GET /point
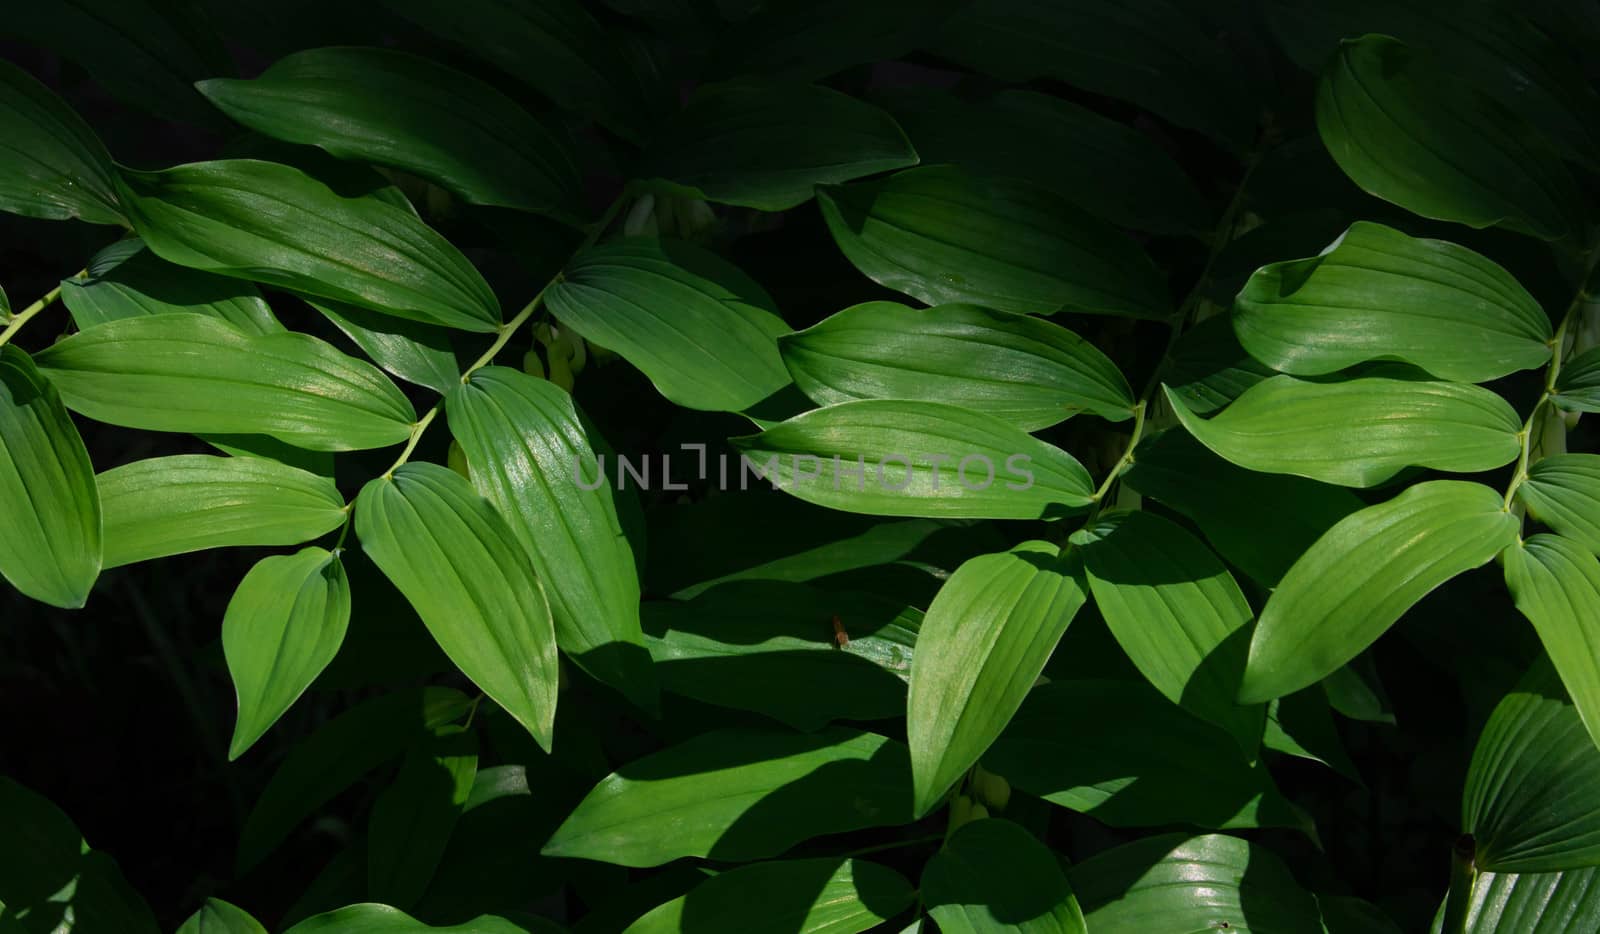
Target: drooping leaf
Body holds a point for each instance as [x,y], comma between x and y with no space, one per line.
[528,454]
[274,224]
[1532,903]
[284,625]
[895,458]
[384,919]
[417,353]
[49,506]
[1029,372]
[1360,432]
[704,332]
[413,817]
[984,642]
[1377,294]
[1366,571]
[1578,385]
[219,917]
[739,795]
[54,166]
[126,280]
[188,502]
[397,109]
[940,235]
[194,373]
[1563,492]
[993,877]
[826,895]
[466,574]
[1556,584]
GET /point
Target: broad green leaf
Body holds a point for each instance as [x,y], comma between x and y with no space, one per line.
[463,570]
[1029,372]
[49,506]
[739,795]
[1563,492]
[1532,799]
[1208,369]
[54,166]
[1578,385]
[383,919]
[1176,610]
[993,877]
[127,281]
[1210,883]
[189,502]
[396,109]
[414,816]
[940,235]
[528,454]
[826,895]
[1407,131]
[984,642]
[1301,725]
[1364,573]
[219,917]
[284,625]
[417,353]
[767,146]
[1135,761]
[1377,294]
[704,332]
[194,373]
[1344,914]
[1532,903]
[896,458]
[1360,432]
[335,756]
[277,225]
[1556,584]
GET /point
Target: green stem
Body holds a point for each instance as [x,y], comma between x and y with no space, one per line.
[1124,462]
[25,315]
[1463,873]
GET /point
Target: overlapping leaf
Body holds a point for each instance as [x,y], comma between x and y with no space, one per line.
[413,818]
[1578,385]
[219,917]
[1556,584]
[1532,903]
[1563,492]
[415,352]
[826,895]
[993,877]
[126,280]
[55,166]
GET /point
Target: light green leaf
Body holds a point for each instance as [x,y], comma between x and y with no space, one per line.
[704,332]
[1563,492]
[126,281]
[396,109]
[528,455]
[767,146]
[1364,573]
[739,795]
[1556,584]
[1360,432]
[383,919]
[1176,610]
[219,917]
[1409,132]
[189,502]
[274,224]
[915,459]
[1578,385]
[1029,372]
[984,642]
[49,506]
[414,816]
[1377,294]
[1532,903]
[941,235]
[993,877]
[827,895]
[463,570]
[284,625]
[417,353]
[54,166]
[193,373]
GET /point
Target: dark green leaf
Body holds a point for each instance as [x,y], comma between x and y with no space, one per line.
[54,165]
[1208,369]
[993,877]
[827,895]
[1578,385]
[219,917]
[802,40]
[128,281]
[417,353]
[413,817]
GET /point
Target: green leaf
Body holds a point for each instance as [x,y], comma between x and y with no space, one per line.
[1208,369]
[528,453]
[1409,132]
[189,502]
[910,458]
[1209,883]
[1301,725]
[1344,914]
[1377,294]
[1364,573]
[417,353]
[463,570]
[382,919]
[1178,614]
[413,818]
[284,625]
[1563,492]
[704,332]
[335,756]
[827,895]
[193,373]
[1029,372]
[128,281]
[1360,432]
[739,795]
[274,224]
[49,506]
[1556,584]
[219,917]
[984,642]
[993,877]
[941,235]
[396,109]
[1138,762]
[1532,798]
[54,166]
[1532,903]
[767,146]
[1578,385]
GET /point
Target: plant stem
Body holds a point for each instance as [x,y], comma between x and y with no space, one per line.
[25,315]
[1127,456]
[1463,873]
[898,844]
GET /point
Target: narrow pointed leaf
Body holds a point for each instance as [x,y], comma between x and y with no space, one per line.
[993,877]
[417,353]
[219,917]
[1556,584]
[414,816]
[54,166]
[126,280]
[826,895]
[1563,492]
